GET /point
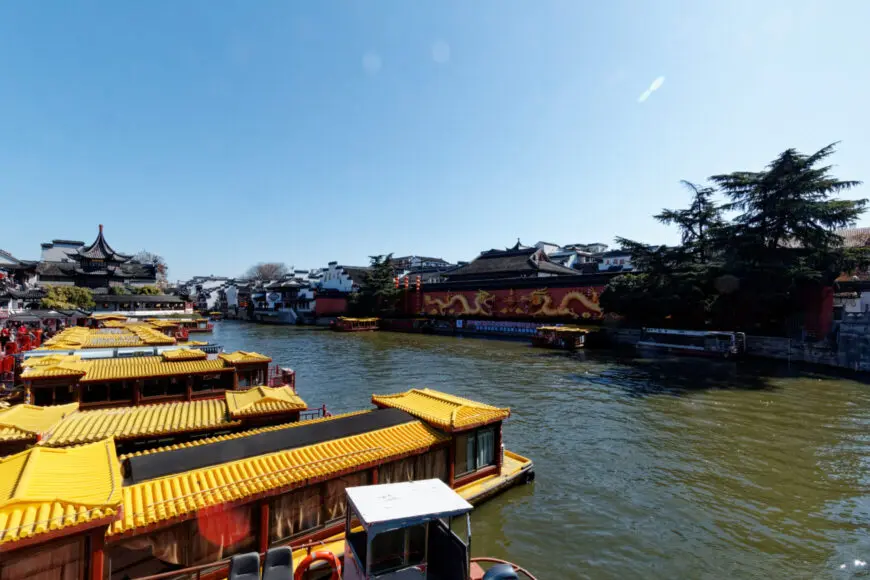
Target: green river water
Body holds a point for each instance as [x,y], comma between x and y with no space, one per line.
[646,468]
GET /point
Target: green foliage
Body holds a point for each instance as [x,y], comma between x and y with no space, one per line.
[67,298]
[118,291]
[378,295]
[750,272]
[148,291]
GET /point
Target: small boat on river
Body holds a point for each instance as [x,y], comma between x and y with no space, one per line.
[560,337]
[392,531]
[718,344]
[345,324]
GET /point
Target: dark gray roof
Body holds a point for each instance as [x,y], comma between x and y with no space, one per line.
[518,261]
[101,250]
[356,273]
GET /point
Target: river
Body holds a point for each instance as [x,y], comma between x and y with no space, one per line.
[652,468]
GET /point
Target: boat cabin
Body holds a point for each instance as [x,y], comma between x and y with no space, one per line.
[723,344]
[174,375]
[344,324]
[561,337]
[404,531]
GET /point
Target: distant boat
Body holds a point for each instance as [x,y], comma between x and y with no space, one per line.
[713,343]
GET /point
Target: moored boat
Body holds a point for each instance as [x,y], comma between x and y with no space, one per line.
[560,337]
[345,324]
[181,511]
[718,344]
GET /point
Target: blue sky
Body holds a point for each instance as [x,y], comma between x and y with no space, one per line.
[219,134]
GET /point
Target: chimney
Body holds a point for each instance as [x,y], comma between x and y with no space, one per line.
[101,228]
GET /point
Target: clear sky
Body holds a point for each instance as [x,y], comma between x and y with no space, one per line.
[219,134]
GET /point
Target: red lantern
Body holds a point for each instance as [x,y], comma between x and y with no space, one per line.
[407,282]
[396,282]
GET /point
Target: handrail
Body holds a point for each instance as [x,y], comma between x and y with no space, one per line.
[216,566]
[497,561]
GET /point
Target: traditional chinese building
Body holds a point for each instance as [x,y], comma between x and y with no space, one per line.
[516,262]
[98,265]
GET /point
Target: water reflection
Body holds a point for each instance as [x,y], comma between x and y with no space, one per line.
[654,468]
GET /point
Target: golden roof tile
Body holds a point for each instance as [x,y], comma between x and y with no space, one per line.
[179,495]
[143,421]
[116,369]
[44,490]
[263,401]
[448,412]
[21,422]
[52,359]
[244,357]
[183,354]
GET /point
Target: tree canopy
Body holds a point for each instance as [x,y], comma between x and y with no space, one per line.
[68,298]
[751,270]
[150,258]
[378,294]
[266,271]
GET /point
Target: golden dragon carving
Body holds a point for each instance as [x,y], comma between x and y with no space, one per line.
[542,299]
[483,302]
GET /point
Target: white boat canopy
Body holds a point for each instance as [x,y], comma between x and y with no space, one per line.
[397,505]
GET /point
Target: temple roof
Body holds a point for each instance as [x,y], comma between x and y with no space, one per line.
[100,250]
[518,261]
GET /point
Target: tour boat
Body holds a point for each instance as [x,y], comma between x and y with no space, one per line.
[724,344]
[175,375]
[216,315]
[344,324]
[392,531]
[181,511]
[561,337]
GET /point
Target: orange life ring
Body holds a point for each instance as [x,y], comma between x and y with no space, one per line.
[320,555]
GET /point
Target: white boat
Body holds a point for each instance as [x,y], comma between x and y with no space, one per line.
[724,344]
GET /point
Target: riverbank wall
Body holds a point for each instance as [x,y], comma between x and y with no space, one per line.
[849,350]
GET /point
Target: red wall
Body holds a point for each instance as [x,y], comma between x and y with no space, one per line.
[330,306]
[574,302]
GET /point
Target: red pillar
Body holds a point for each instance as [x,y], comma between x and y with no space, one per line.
[98,543]
[264,525]
[499,457]
[451,458]
[375,475]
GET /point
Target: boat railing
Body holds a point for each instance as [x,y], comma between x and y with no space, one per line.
[219,567]
[317,413]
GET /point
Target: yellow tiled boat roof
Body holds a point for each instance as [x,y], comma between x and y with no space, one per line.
[442,410]
[154,501]
[111,323]
[263,401]
[196,343]
[564,328]
[372,319]
[163,323]
[183,354]
[115,369]
[43,489]
[22,422]
[241,356]
[142,421]
[124,335]
[52,359]
[236,435]
[109,316]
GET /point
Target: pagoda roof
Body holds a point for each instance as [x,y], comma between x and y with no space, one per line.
[100,250]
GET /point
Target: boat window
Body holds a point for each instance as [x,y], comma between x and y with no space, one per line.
[120,391]
[43,397]
[398,549]
[97,393]
[474,450]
